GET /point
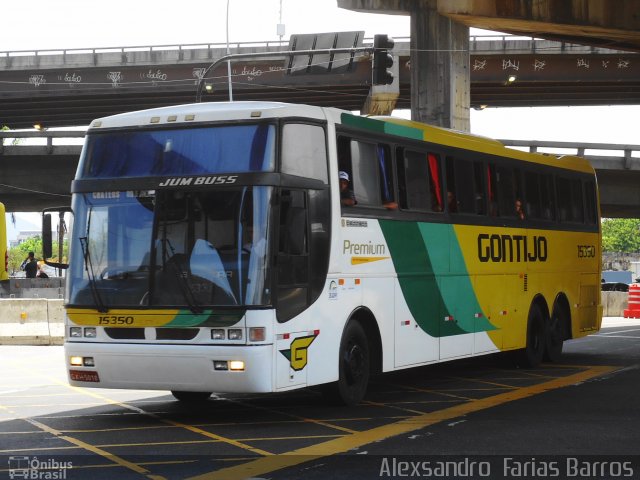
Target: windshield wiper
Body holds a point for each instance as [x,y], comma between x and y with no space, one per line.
[88,266]
[183,282]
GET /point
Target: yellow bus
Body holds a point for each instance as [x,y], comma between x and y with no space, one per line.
[214,250]
[4,252]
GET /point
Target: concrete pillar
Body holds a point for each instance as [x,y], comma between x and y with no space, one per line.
[440,81]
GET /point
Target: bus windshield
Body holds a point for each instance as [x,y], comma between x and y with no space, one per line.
[186,151]
[170,248]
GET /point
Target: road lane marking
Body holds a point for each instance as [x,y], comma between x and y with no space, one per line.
[618,331]
[291,415]
[140,411]
[91,448]
[273,463]
[613,336]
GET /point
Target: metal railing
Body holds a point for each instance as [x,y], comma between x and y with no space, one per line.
[601,155]
[508,42]
[628,153]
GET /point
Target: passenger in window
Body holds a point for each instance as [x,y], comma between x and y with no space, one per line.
[519,209]
[347,197]
[453,203]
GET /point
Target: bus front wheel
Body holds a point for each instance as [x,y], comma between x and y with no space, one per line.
[531,355]
[354,365]
[191,396]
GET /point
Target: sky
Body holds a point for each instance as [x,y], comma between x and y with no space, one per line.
[68,24]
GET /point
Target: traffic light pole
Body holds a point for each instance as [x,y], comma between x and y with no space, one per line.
[238,56]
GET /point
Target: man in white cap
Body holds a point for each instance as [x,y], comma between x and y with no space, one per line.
[347,197]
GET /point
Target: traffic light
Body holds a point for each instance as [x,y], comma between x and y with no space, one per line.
[382,60]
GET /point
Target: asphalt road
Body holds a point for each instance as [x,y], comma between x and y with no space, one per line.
[479,418]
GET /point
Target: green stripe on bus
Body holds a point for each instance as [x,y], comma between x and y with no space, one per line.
[427,259]
[456,288]
[416,277]
[362,122]
[380,126]
[404,131]
[186,318]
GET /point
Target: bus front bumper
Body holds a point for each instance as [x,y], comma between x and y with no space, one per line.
[194,368]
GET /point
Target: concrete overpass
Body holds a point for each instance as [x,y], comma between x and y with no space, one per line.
[34,177]
[72,87]
[440,38]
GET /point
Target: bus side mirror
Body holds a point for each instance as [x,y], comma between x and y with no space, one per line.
[47,238]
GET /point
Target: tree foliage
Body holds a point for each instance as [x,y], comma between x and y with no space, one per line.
[621,235]
[18,253]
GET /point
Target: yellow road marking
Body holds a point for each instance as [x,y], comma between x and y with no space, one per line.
[429,390]
[79,443]
[292,415]
[155,417]
[189,442]
[390,405]
[169,422]
[486,382]
[266,465]
[36,449]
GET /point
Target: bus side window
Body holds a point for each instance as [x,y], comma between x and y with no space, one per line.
[366,173]
[577,204]
[386,176]
[492,183]
[547,198]
[309,161]
[563,194]
[468,186]
[532,185]
[590,203]
[509,190]
[419,181]
[452,195]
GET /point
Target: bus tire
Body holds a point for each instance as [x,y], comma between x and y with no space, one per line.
[191,397]
[554,336]
[354,365]
[531,356]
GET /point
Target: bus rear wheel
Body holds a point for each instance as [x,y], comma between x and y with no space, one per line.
[191,397]
[354,365]
[554,337]
[531,355]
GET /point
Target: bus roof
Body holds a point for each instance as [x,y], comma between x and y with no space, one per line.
[468,141]
[207,112]
[248,110]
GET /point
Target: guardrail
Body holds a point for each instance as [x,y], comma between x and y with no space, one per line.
[629,153]
[9,138]
[599,154]
[505,43]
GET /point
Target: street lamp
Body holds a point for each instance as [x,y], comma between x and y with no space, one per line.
[229,61]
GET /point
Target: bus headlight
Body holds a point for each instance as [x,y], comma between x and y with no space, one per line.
[90,332]
[235,334]
[75,332]
[217,334]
